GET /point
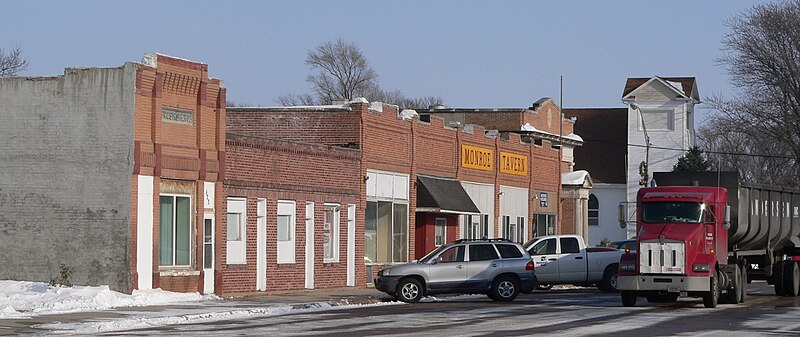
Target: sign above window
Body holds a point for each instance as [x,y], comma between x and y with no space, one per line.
[477,158]
[513,164]
[175,115]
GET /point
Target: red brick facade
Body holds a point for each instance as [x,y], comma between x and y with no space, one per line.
[269,169]
[180,155]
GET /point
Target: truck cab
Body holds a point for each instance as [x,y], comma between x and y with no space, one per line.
[682,246]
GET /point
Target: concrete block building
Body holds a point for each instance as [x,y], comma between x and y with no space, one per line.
[113,172]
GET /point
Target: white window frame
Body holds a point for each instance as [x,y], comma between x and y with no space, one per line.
[286,249]
[392,187]
[236,249]
[331,234]
[174,236]
[440,232]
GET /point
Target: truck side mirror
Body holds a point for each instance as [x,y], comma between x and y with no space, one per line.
[726,222]
[621,216]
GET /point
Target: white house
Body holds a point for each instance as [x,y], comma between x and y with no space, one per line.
[615,145]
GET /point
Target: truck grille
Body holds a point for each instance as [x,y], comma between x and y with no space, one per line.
[662,258]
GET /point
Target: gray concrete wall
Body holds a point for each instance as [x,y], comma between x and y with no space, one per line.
[66,159]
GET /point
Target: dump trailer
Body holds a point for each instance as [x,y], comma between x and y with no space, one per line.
[707,234]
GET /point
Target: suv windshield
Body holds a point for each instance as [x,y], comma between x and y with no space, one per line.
[427,258]
[688,212]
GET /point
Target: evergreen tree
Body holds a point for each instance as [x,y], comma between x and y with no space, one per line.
[692,161]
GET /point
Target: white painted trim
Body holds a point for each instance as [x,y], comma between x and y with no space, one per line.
[144,233]
[261,245]
[351,245]
[309,245]
[236,249]
[208,273]
[286,249]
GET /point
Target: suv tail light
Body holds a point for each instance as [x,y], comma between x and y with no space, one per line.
[529,266]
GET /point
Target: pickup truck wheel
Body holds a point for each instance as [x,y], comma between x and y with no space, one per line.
[609,281]
[544,286]
[711,298]
[504,289]
[628,298]
[409,290]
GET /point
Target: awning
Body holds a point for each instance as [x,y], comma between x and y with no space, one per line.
[443,195]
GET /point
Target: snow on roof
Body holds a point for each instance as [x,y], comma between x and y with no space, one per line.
[574,178]
[298,107]
[677,85]
[574,137]
[359,100]
[408,114]
[529,127]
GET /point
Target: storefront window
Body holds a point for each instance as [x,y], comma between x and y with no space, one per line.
[386,232]
[174,230]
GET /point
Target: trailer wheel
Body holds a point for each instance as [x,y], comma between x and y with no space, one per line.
[628,298]
[791,278]
[711,298]
[777,278]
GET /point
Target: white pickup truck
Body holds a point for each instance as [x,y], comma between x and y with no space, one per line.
[565,259]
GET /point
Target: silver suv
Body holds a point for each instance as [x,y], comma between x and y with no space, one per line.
[496,267]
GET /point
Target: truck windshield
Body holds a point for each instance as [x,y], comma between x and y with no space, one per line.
[689,212]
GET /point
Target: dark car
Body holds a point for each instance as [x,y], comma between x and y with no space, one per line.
[497,267]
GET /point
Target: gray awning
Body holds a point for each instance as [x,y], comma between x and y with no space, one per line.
[443,195]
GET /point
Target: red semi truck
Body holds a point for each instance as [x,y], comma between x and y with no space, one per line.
[707,235]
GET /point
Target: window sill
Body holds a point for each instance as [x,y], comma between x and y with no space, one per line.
[179,273]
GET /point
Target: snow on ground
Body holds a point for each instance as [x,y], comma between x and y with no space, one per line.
[20,299]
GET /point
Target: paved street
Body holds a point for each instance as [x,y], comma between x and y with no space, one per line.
[572,312]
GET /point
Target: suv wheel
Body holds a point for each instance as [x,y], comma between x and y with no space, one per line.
[409,290]
[504,289]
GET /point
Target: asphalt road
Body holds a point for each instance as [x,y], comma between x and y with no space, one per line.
[572,312]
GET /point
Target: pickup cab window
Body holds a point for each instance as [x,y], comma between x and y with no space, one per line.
[544,247]
[569,246]
[687,212]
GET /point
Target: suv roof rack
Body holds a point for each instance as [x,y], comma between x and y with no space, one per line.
[482,240]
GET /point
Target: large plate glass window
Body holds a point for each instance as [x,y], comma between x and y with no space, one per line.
[175,226]
[386,217]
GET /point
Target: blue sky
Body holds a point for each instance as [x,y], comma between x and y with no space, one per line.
[471,53]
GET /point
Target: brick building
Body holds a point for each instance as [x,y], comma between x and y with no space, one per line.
[113,173]
[423,180]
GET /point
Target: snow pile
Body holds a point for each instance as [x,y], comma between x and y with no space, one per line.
[19,299]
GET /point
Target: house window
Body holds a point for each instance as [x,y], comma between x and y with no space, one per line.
[656,120]
[236,234]
[544,224]
[386,232]
[477,226]
[330,233]
[440,232]
[286,231]
[174,234]
[594,211]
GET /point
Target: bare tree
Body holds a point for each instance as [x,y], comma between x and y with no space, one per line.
[342,71]
[12,63]
[763,59]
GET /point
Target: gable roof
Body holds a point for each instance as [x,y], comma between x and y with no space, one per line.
[687,83]
[605,135]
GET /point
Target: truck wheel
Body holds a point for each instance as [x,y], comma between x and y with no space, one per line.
[628,298]
[733,294]
[504,289]
[409,290]
[777,278]
[609,281]
[544,286]
[745,282]
[791,278]
[711,298]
